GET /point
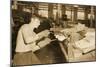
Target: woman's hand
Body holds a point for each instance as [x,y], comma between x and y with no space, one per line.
[45,42]
[44,33]
[34,47]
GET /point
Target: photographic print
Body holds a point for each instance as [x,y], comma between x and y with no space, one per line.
[52,33]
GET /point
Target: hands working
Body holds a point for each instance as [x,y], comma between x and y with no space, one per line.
[44,33]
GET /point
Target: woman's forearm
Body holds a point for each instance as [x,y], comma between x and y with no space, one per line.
[33,47]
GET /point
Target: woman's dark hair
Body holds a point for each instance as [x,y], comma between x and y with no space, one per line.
[44,25]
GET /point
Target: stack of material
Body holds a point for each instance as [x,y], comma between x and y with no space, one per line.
[87,44]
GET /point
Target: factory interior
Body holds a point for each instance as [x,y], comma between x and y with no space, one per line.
[63,17]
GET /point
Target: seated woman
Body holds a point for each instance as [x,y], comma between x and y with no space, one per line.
[26,42]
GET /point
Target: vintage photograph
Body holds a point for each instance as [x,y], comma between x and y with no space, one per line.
[52,33]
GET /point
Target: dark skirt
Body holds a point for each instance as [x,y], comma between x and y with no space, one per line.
[28,58]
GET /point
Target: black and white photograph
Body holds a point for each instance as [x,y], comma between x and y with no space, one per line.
[52,33]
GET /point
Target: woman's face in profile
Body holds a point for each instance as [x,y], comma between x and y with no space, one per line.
[37,23]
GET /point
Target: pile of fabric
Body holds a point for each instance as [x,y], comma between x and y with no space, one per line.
[86,44]
[82,37]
